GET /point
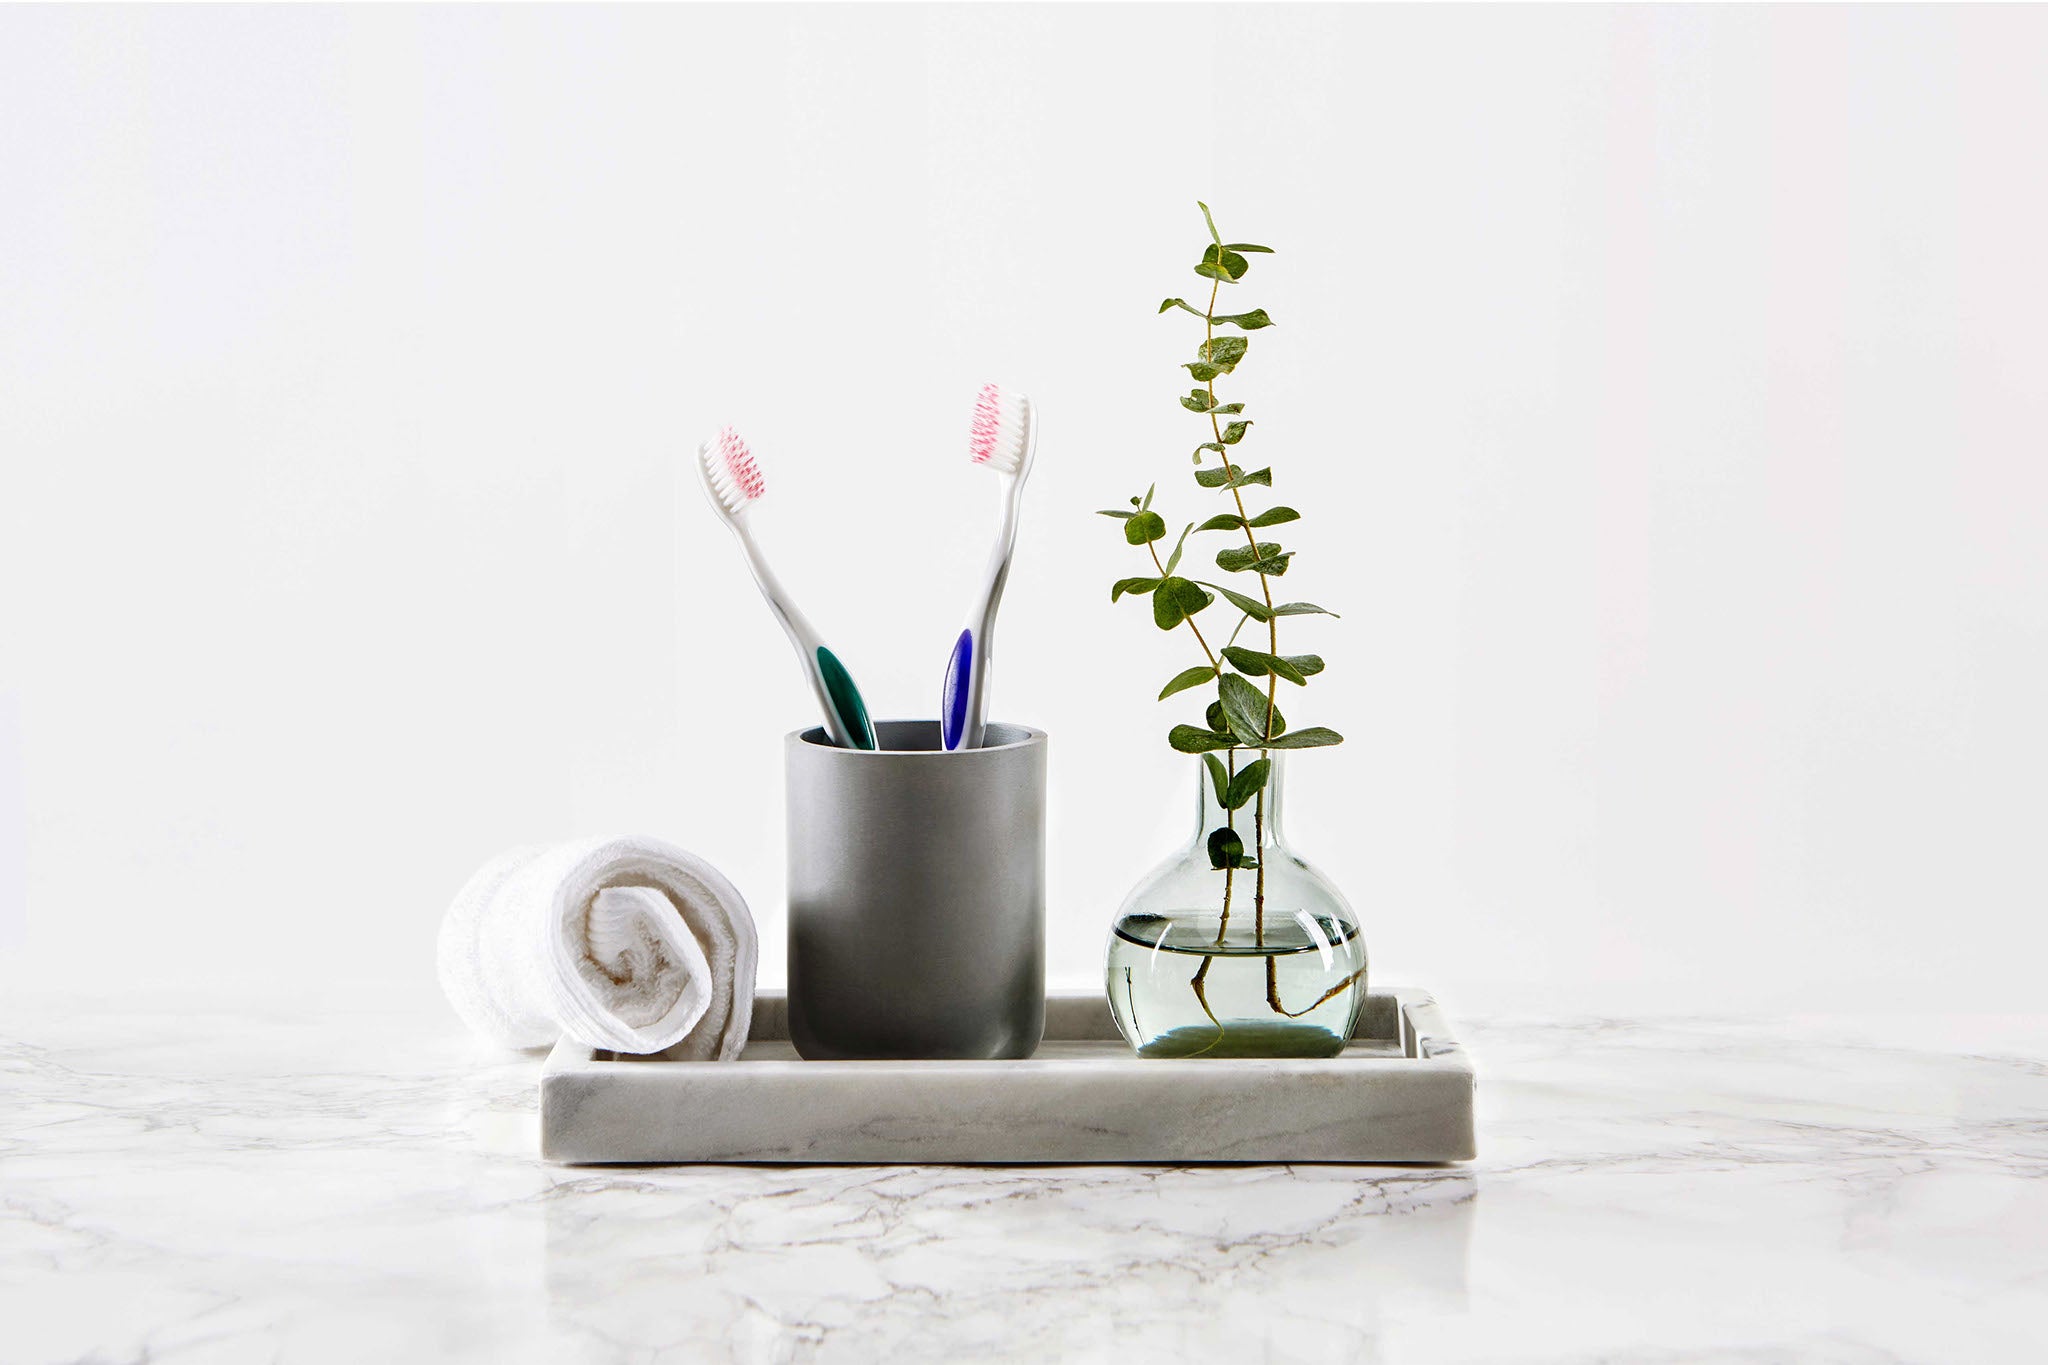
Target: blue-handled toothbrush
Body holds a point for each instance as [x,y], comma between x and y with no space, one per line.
[732,480]
[1004,436]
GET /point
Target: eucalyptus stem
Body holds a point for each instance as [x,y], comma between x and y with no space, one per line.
[1229,868]
[1190,620]
[1272,679]
[1239,719]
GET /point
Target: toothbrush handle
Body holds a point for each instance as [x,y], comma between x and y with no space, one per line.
[963,714]
[845,701]
[964,705]
[967,671]
[954,701]
[846,715]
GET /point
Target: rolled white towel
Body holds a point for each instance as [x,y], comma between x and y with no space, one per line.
[630,945]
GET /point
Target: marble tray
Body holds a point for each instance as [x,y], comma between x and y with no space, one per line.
[1400,1092]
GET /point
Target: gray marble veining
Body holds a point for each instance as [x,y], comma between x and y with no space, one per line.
[198,1184]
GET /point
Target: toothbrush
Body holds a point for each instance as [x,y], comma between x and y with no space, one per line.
[1003,437]
[732,480]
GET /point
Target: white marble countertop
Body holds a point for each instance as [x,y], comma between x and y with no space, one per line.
[297,1185]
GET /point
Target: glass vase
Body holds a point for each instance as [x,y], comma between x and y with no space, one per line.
[1235,946]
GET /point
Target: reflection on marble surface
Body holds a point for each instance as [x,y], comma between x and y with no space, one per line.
[257,1185]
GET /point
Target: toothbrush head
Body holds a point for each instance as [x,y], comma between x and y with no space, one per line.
[730,475]
[1000,436]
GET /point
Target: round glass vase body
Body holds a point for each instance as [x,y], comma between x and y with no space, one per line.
[1222,952]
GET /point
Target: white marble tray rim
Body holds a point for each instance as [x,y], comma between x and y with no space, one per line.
[1401,1092]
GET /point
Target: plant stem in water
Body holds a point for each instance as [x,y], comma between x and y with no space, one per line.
[1273,994]
[1229,870]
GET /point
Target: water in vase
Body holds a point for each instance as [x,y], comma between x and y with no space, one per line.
[1187,984]
[1236,946]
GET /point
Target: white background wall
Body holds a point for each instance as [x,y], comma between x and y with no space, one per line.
[1666,391]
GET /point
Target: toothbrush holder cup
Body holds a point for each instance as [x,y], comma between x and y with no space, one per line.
[916,894]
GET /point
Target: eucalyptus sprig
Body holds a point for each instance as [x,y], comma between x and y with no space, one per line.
[1244,715]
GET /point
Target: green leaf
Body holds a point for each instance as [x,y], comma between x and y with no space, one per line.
[1224,351]
[1220,264]
[1218,778]
[1275,516]
[1121,516]
[1214,235]
[1315,737]
[1222,521]
[1183,303]
[1230,407]
[1145,505]
[1250,606]
[1216,356]
[1302,609]
[1248,661]
[1245,707]
[1226,848]
[1251,321]
[1265,558]
[1216,719]
[1247,246]
[1186,678]
[1188,740]
[1207,445]
[1136,586]
[1230,476]
[1176,599]
[1237,558]
[1233,432]
[1199,400]
[1258,664]
[1144,527]
[1249,780]
[1173,560]
[1308,665]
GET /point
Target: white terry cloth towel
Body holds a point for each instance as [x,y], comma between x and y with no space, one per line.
[629,945]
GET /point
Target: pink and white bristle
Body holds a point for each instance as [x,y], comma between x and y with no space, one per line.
[1000,429]
[731,472]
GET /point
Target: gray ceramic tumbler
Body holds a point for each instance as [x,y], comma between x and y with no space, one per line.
[917,895]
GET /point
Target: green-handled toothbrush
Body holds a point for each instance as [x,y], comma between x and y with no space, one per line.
[732,480]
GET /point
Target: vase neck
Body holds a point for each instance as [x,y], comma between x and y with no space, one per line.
[1209,812]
